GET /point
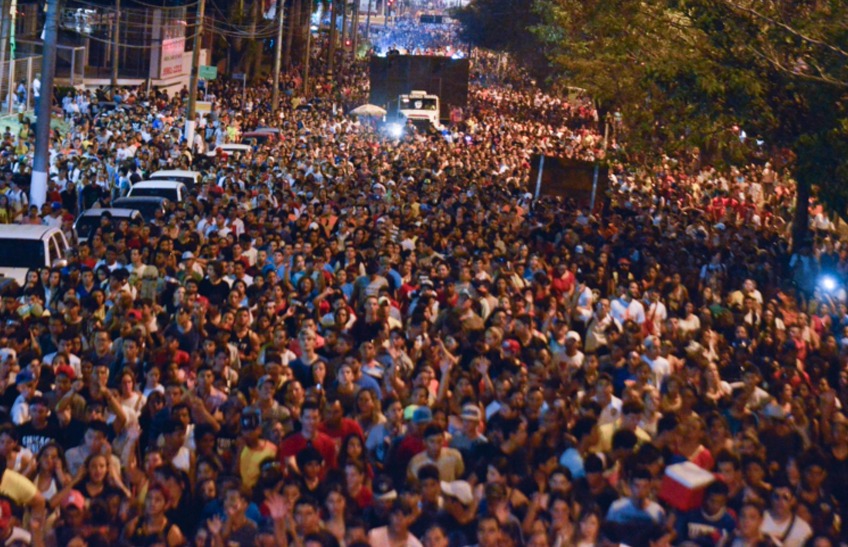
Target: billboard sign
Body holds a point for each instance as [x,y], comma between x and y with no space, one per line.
[173,51]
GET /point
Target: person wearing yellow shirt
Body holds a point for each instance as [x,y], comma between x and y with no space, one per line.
[631,413]
[255,449]
[447,460]
[21,490]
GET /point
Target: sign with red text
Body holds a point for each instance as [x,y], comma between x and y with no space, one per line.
[173,52]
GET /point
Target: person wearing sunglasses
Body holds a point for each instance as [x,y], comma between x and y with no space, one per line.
[781,522]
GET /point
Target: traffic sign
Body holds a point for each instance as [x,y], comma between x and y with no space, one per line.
[207,72]
[239,76]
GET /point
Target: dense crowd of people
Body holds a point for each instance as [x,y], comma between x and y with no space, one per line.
[342,338]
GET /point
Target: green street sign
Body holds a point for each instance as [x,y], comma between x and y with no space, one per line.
[207,72]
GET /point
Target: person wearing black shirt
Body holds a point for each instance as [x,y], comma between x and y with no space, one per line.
[368,325]
[41,429]
[594,488]
[213,287]
[69,198]
[90,194]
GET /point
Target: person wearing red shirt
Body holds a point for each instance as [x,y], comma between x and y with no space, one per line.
[562,280]
[309,435]
[337,426]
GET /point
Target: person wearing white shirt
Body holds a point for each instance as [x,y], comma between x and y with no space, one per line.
[36,87]
[396,533]
[660,366]
[610,404]
[583,302]
[749,288]
[25,383]
[627,306]
[601,325]
[781,522]
[73,360]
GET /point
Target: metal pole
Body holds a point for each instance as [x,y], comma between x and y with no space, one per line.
[38,187]
[367,19]
[29,82]
[195,62]
[306,62]
[5,23]
[116,33]
[331,50]
[354,30]
[13,14]
[594,185]
[539,177]
[345,35]
[278,57]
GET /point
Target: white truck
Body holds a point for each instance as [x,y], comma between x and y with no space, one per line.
[419,106]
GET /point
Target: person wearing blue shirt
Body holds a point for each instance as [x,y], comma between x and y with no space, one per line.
[638,510]
[586,432]
[711,522]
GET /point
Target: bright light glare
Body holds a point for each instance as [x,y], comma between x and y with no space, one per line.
[395,130]
[828,283]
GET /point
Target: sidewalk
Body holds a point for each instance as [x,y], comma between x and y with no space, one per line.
[11,121]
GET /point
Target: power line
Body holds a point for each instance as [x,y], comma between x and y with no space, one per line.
[151,6]
[133,46]
[267,31]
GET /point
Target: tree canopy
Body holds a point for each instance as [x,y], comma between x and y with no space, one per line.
[687,73]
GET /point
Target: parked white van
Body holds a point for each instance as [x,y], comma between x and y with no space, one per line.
[24,246]
[173,190]
[189,178]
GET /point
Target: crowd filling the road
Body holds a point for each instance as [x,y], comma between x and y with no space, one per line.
[340,338]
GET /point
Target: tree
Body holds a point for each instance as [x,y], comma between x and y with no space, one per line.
[684,72]
[505,25]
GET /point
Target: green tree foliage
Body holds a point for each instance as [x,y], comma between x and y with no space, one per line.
[686,72]
[506,26]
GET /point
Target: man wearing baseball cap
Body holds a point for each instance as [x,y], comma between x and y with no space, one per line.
[255,449]
[469,438]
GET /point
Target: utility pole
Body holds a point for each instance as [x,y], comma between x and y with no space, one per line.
[354,30]
[278,57]
[5,23]
[331,50]
[13,15]
[38,186]
[344,37]
[195,62]
[294,28]
[115,39]
[368,20]
[306,61]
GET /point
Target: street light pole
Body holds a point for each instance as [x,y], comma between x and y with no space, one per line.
[13,14]
[195,68]
[306,61]
[116,34]
[354,30]
[278,57]
[5,23]
[367,20]
[38,185]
